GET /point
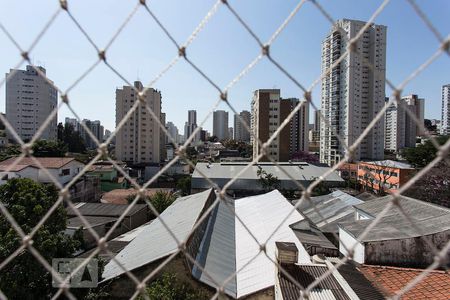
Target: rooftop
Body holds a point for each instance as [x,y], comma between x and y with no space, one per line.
[119,196]
[390,163]
[93,221]
[46,162]
[104,209]
[428,218]
[436,285]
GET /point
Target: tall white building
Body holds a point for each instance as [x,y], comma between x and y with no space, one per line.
[220,124]
[241,133]
[191,125]
[353,93]
[138,141]
[445,116]
[30,99]
[173,132]
[269,110]
[400,129]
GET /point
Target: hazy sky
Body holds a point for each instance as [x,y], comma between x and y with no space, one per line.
[221,50]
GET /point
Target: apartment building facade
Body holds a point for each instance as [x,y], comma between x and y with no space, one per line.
[30,99]
[445,114]
[269,111]
[220,124]
[352,92]
[241,133]
[138,141]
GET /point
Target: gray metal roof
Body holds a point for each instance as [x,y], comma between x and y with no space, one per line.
[154,241]
[428,217]
[221,173]
[309,234]
[334,208]
[93,221]
[104,209]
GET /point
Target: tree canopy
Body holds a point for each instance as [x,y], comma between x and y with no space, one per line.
[424,153]
[28,202]
[67,134]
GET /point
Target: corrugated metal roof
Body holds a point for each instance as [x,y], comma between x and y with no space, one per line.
[227,247]
[154,241]
[93,221]
[430,218]
[334,208]
[305,275]
[307,233]
[104,209]
[221,173]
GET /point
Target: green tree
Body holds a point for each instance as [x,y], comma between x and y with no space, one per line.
[168,287]
[267,180]
[44,148]
[160,200]
[10,151]
[184,184]
[28,201]
[424,153]
[67,135]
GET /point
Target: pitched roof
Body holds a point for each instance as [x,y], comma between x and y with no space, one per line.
[93,221]
[428,217]
[46,162]
[390,164]
[436,285]
[16,168]
[119,196]
[104,209]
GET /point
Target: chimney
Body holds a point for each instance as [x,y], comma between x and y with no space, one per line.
[287,252]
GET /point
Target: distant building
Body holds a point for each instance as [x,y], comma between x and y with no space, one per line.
[30,100]
[445,112]
[96,129]
[269,110]
[173,132]
[352,93]
[384,176]
[74,123]
[349,171]
[393,240]
[249,183]
[241,133]
[191,125]
[162,138]
[220,124]
[400,128]
[139,139]
[230,132]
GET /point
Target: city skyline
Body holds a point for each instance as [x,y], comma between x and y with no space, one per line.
[64,65]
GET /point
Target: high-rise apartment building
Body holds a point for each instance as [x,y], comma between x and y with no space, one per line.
[173,132]
[269,110]
[241,133]
[419,111]
[400,128]
[138,141]
[191,125]
[352,92]
[30,99]
[220,124]
[445,113]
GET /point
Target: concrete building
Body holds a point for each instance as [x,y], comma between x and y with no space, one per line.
[74,123]
[445,113]
[138,140]
[30,99]
[383,176]
[352,93]
[96,129]
[393,241]
[400,128]
[269,110]
[173,132]
[241,133]
[220,124]
[191,125]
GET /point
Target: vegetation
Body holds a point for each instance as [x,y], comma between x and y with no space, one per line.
[10,151]
[423,154]
[267,180]
[28,202]
[184,185]
[43,148]
[168,287]
[320,189]
[71,138]
[160,200]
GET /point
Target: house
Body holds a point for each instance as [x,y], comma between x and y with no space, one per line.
[384,176]
[18,171]
[247,182]
[133,218]
[348,171]
[62,169]
[395,240]
[110,178]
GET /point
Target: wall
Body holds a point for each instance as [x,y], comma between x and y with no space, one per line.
[412,252]
[74,166]
[349,241]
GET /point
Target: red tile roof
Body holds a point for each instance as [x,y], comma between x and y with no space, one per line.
[46,162]
[390,280]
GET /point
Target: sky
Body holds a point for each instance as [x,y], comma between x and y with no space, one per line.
[221,50]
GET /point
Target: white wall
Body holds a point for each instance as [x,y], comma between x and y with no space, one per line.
[74,166]
[345,239]
[29,172]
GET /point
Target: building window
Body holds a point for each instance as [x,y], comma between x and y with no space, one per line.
[65,172]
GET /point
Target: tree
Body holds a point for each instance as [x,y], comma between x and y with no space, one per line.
[434,187]
[10,151]
[28,202]
[267,180]
[168,287]
[160,200]
[184,184]
[424,153]
[44,148]
[67,134]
